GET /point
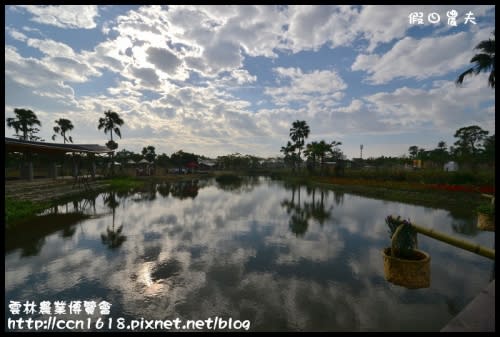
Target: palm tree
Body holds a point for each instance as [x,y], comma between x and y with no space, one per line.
[299,132]
[311,153]
[23,122]
[110,123]
[323,148]
[483,62]
[289,151]
[63,125]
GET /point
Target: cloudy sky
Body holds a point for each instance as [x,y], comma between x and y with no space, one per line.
[215,80]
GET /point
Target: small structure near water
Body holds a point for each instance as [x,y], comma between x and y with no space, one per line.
[451,166]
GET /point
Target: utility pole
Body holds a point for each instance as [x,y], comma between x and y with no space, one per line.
[361,151]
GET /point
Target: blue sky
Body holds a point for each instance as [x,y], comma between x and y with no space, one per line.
[215,80]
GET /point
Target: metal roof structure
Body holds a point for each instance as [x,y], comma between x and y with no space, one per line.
[17,145]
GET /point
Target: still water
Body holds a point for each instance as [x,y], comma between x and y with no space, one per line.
[286,258]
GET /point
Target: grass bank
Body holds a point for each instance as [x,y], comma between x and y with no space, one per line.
[454,197]
[16,210]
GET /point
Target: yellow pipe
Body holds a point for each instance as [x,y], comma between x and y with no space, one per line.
[472,247]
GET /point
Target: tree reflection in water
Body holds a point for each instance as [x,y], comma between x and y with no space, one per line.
[301,212]
[112,238]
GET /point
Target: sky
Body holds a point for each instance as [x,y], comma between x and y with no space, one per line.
[216,80]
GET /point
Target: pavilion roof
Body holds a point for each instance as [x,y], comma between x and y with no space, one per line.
[17,145]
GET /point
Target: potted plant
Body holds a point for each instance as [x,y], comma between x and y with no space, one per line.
[404,263]
[486,216]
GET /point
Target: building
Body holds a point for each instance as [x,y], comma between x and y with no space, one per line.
[451,166]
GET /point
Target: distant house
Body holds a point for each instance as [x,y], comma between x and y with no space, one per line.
[450,166]
[206,165]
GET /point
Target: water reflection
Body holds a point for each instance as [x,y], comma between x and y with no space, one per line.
[234,254]
[185,189]
[112,238]
[239,184]
[30,237]
[465,227]
[312,208]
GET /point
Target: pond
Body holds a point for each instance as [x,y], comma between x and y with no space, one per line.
[283,257]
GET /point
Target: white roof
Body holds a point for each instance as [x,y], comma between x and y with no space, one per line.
[206,162]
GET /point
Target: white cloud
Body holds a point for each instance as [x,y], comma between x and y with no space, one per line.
[67,16]
[16,34]
[383,24]
[315,85]
[420,59]
[310,27]
[51,47]
[180,73]
[446,106]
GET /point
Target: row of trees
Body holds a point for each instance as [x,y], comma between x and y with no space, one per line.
[316,152]
[473,146]
[25,121]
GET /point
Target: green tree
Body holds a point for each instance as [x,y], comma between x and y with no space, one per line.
[163,160]
[110,123]
[440,154]
[311,153]
[470,139]
[149,153]
[298,133]
[63,126]
[123,156]
[289,152]
[469,143]
[335,151]
[317,151]
[180,158]
[484,61]
[489,150]
[23,122]
[413,150]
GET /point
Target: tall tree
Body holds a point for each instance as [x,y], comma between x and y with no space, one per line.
[288,151]
[489,149]
[23,122]
[484,61]
[440,154]
[469,144]
[149,153]
[470,139]
[63,126]
[335,151]
[298,133]
[317,151]
[413,150]
[110,123]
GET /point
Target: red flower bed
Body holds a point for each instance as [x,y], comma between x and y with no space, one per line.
[464,188]
[405,185]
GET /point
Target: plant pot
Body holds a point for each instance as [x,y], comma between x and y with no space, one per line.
[485,222]
[412,274]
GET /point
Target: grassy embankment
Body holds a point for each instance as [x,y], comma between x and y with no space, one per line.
[16,210]
[426,188]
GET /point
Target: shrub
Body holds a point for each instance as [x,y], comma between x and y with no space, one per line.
[404,237]
[487,208]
